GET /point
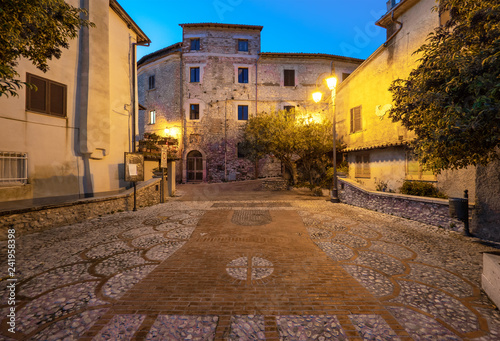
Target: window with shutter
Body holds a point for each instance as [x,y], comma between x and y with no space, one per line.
[194,112]
[242,112]
[195,44]
[195,75]
[49,97]
[243,45]
[242,75]
[356,119]
[289,76]
[151,82]
[362,166]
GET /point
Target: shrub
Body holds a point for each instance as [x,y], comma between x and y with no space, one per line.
[422,189]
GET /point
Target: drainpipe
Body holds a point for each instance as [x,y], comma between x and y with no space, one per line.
[134,66]
[134,100]
[399,29]
[181,116]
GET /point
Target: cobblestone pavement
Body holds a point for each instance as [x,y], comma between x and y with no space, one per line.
[249,270]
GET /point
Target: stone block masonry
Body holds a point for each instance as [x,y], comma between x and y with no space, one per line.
[40,218]
[430,211]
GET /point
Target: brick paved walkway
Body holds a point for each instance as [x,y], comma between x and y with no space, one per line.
[265,269]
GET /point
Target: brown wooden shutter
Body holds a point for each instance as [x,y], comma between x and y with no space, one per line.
[355,119]
[352,121]
[37,98]
[289,77]
[57,99]
[366,166]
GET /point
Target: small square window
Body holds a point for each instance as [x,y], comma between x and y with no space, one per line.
[195,44]
[194,112]
[195,74]
[242,112]
[242,75]
[243,45]
[152,117]
[151,82]
[289,76]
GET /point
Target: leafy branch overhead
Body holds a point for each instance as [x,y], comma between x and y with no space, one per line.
[37,30]
[452,99]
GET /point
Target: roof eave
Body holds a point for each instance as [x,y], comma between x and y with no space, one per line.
[141,36]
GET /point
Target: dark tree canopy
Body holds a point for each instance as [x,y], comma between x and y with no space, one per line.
[452,99]
[37,30]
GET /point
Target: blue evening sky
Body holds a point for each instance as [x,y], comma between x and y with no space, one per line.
[341,27]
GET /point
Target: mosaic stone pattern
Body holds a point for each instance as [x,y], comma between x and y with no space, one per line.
[120,328]
[247,327]
[373,327]
[378,284]
[241,268]
[251,217]
[421,327]
[71,328]
[323,327]
[172,327]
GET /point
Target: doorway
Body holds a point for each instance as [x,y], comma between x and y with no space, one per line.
[194,166]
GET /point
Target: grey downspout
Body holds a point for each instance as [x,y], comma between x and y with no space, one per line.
[182,117]
[394,34]
[82,100]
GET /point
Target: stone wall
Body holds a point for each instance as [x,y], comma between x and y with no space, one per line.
[40,218]
[275,184]
[431,211]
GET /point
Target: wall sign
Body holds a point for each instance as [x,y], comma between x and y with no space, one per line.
[134,167]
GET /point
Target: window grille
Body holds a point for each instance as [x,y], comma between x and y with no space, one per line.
[13,168]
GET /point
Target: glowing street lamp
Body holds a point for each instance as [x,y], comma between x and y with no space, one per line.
[332,85]
[317,96]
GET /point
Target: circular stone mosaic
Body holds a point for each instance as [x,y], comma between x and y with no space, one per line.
[246,269]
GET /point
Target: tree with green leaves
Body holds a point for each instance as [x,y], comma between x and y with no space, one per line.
[37,30]
[292,138]
[452,99]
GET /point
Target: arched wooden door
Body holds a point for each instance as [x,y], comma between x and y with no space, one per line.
[194,166]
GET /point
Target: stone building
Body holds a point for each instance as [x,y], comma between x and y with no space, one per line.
[68,138]
[377,149]
[203,90]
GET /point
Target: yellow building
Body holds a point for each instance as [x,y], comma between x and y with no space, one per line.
[68,138]
[377,148]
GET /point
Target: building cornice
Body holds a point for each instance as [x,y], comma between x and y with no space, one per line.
[141,36]
[309,55]
[224,26]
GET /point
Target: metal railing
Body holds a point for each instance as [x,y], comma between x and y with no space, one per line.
[13,168]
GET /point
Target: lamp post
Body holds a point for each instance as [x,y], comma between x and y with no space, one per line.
[332,85]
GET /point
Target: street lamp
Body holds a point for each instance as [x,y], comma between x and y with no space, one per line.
[332,85]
